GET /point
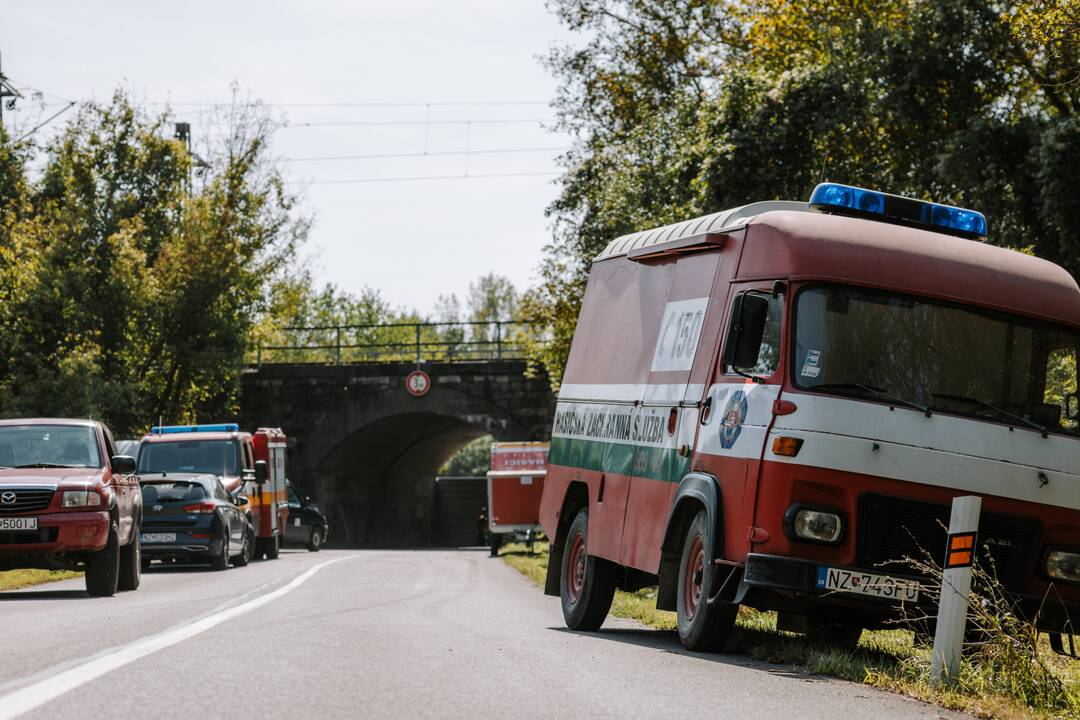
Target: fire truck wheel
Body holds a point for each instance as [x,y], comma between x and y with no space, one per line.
[702,627]
[103,568]
[131,563]
[270,547]
[316,540]
[588,583]
[825,632]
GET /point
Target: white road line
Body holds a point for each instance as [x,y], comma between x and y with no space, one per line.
[37,694]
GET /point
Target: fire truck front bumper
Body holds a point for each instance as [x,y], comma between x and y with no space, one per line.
[870,598]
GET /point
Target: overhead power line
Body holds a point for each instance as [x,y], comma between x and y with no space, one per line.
[380,156]
[420,178]
[368,123]
[461,103]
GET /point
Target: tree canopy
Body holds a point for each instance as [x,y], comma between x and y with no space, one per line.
[684,107]
[129,278]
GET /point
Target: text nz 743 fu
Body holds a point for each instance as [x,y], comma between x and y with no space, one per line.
[775,404]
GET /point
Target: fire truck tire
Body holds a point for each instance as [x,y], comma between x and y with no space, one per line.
[702,627]
[316,540]
[103,568]
[271,546]
[131,563]
[221,560]
[825,632]
[588,583]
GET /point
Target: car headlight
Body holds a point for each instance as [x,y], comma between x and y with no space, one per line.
[1062,565]
[80,499]
[812,525]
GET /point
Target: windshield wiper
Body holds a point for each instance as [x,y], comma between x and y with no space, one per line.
[991,406]
[46,465]
[876,392]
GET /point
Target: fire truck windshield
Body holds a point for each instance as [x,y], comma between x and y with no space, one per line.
[217,457]
[939,356]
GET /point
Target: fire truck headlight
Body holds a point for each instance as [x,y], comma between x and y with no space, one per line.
[1062,565]
[813,525]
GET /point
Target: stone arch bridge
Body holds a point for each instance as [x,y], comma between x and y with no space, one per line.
[369,450]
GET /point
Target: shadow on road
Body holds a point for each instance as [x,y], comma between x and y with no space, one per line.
[42,595]
[668,641]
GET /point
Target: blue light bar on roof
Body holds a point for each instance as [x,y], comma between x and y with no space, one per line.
[849,200]
[170,429]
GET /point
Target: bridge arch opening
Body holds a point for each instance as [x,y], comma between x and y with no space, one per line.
[377,484]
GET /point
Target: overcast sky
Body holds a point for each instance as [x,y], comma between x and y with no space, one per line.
[412,240]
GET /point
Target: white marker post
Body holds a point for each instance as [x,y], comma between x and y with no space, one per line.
[955,588]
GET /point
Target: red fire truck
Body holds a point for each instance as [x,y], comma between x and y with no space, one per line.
[514,486]
[773,404]
[251,464]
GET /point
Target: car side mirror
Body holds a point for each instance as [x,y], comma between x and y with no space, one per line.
[307,500]
[122,464]
[260,471]
[1072,406]
[748,315]
[242,501]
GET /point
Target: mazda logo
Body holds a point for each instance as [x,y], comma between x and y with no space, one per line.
[7,498]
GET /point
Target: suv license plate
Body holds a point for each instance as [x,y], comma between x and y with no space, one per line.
[864,583]
[150,538]
[20,523]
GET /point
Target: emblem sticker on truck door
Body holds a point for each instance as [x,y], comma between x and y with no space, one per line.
[679,335]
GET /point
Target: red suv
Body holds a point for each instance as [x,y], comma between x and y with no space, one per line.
[69,501]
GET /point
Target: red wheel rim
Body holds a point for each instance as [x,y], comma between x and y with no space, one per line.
[695,574]
[575,568]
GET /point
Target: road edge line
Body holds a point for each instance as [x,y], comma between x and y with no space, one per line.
[36,694]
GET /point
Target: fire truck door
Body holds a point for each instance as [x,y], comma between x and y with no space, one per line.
[665,423]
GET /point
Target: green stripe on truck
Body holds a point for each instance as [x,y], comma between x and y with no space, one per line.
[664,464]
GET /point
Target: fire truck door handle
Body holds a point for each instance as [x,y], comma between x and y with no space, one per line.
[706,411]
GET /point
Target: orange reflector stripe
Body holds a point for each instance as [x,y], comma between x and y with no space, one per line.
[961,550]
[959,558]
[961,542]
[786,446]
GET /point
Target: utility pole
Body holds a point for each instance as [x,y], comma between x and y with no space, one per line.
[6,91]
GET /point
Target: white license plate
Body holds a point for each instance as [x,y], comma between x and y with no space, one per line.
[23,523]
[864,583]
[151,538]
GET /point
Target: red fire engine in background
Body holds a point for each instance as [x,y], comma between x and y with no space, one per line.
[251,464]
[515,484]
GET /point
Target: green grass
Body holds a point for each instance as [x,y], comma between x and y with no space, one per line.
[15,579]
[886,659]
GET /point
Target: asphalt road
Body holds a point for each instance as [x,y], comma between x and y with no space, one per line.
[375,634]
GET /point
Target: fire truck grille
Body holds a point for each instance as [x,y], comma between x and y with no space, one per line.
[14,501]
[891,529]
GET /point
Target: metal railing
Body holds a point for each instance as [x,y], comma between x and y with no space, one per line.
[399,342]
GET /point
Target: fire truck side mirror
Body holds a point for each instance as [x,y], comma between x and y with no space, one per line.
[748,315]
[260,471]
[1072,406]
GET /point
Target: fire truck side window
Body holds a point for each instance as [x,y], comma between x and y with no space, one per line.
[769,354]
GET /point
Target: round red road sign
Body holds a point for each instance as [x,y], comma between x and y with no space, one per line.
[418,383]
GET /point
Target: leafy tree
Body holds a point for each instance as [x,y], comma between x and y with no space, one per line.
[130,287]
[473,460]
[684,107]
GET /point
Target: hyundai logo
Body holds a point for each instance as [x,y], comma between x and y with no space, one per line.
[7,498]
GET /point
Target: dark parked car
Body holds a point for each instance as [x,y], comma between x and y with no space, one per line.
[191,518]
[307,525]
